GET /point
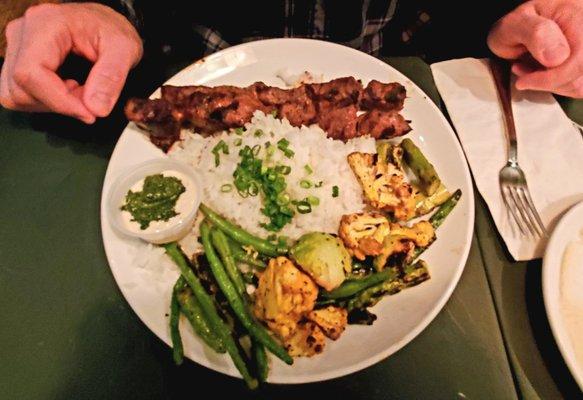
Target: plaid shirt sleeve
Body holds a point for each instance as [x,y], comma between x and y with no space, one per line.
[355,23]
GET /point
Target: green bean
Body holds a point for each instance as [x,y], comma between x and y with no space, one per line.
[193,312]
[260,361]
[219,240]
[256,330]
[421,167]
[244,258]
[177,350]
[209,310]
[352,286]
[238,234]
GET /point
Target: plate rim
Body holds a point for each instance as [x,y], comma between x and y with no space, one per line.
[437,307]
[551,281]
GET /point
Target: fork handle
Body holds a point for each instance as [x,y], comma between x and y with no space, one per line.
[501,73]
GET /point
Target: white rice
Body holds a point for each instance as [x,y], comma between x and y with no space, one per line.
[325,156]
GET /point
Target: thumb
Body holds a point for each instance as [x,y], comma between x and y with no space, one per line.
[106,80]
[523,30]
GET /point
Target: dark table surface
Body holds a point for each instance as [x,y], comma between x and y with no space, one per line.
[66,332]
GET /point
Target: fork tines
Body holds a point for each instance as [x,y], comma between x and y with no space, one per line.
[518,201]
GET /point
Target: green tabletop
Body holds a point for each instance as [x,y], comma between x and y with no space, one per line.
[66,332]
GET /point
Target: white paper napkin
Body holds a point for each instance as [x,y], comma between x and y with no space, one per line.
[550,147]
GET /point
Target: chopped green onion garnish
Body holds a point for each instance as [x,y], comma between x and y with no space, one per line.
[288,153]
[313,200]
[226,188]
[258,133]
[283,169]
[221,146]
[335,191]
[239,131]
[273,113]
[304,207]
[282,143]
[256,149]
[272,237]
[253,189]
[308,169]
[319,184]
[238,142]
[305,184]
[282,199]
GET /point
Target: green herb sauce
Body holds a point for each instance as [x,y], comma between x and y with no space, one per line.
[156,201]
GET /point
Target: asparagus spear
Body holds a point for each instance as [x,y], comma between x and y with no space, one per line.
[412,275]
[422,168]
[352,286]
[437,219]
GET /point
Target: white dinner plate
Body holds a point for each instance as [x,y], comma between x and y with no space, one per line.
[401,317]
[567,231]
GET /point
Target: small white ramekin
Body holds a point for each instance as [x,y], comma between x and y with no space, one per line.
[181,224]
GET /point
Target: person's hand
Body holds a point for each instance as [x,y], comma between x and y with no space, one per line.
[545,40]
[39,42]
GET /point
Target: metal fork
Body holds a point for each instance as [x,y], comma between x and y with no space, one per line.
[513,184]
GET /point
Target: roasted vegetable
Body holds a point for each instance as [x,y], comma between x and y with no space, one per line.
[261,362]
[206,302]
[323,257]
[240,235]
[284,296]
[256,330]
[306,340]
[352,286]
[383,185]
[177,349]
[428,179]
[425,204]
[411,275]
[332,320]
[193,312]
[363,233]
[403,240]
[438,217]
[389,153]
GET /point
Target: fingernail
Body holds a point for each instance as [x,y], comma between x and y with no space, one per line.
[101,103]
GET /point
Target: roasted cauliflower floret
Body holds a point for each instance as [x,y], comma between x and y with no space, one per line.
[402,241]
[332,320]
[363,233]
[384,185]
[422,233]
[306,340]
[283,296]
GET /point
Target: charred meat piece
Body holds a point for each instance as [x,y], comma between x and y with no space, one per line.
[295,104]
[332,105]
[383,96]
[155,116]
[339,123]
[338,92]
[382,124]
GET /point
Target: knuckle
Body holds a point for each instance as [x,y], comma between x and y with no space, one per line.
[22,77]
